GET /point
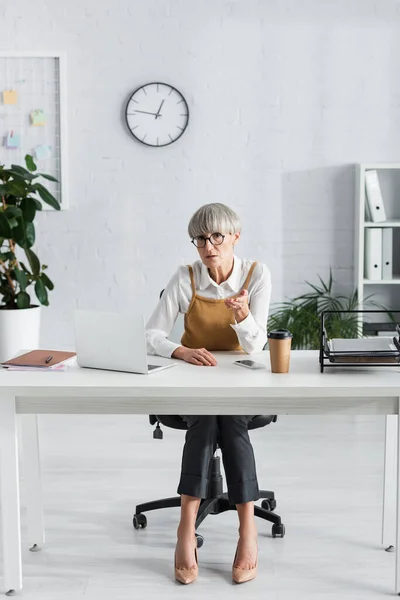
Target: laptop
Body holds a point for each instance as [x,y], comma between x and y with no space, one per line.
[115,342]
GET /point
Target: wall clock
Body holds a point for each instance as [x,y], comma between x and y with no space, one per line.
[157,114]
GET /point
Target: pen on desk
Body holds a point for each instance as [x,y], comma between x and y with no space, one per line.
[48,359]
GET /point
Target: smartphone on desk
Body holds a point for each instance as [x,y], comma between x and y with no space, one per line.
[249,364]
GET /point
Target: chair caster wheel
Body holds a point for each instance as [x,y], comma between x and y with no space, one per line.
[278,530]
[139,521]
[199,539]
[269,505]
[10,593]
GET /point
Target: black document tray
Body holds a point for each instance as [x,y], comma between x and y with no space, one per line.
[376,350]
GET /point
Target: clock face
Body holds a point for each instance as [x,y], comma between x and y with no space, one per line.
[157,114]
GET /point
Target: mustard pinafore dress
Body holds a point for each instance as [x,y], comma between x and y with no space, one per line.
[208,321]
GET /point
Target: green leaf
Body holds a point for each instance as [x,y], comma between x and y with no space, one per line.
[5,229]
[13,211]
[27,271]
[37,202]
[21,172]
[28,208]
[7,256]
[46,196]
[13,222]
[49,177]
[47,282]
[22,279]
[18,233]
[29,234]
[33,261]
[17,188]
[5,292]
[30,163]
[41,292]
[23,300]
[24,233]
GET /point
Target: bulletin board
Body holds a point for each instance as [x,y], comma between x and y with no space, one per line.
[32,115]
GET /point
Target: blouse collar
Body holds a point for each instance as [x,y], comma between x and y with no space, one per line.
[233,280]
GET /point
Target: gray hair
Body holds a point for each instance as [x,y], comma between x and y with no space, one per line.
[214,217]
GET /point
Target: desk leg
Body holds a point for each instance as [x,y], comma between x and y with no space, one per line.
[389,482]
[10,515]
[33,481]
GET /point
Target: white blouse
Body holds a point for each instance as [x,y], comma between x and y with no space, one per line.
[251,332]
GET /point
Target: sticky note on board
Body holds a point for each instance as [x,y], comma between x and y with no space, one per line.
[9,97]
[37,118]
[42,152]
[12,140]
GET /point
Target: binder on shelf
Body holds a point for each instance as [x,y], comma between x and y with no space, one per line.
[373,253]
[387,253]
[374,197]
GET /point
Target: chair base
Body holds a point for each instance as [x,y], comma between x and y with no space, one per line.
[214,506]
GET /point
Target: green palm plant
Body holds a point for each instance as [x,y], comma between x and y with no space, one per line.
[19,189]
[302,315]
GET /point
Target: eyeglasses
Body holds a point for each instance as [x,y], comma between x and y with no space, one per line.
[215,239]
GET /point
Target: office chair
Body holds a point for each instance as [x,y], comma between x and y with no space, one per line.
[217,501]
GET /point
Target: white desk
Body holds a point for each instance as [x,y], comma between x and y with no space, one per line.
[225,389]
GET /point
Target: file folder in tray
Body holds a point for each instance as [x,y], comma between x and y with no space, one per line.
[356,352]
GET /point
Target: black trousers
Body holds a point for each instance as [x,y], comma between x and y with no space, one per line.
[231,435]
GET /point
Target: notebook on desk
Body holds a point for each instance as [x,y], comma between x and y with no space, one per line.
[40,359]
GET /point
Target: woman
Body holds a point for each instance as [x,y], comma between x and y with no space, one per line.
[225,301]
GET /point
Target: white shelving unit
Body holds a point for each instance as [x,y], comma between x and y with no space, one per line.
[384,291]
[393,223]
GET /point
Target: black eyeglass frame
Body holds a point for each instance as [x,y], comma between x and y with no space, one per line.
[208,239]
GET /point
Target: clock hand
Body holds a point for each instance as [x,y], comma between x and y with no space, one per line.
[145,112]
[158,114]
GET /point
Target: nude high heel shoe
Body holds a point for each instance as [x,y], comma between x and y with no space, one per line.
[240,575]
[187,576]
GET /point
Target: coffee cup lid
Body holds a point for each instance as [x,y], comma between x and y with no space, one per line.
[280,334]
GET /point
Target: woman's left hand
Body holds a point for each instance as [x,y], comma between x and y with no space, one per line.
[240,305]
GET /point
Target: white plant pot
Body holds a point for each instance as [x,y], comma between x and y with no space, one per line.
[19,330]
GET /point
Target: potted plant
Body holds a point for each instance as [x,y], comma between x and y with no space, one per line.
[21,273]
[302,315]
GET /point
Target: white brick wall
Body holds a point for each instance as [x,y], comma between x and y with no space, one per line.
[284,96]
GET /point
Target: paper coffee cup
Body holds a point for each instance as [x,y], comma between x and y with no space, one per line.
[280,342]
